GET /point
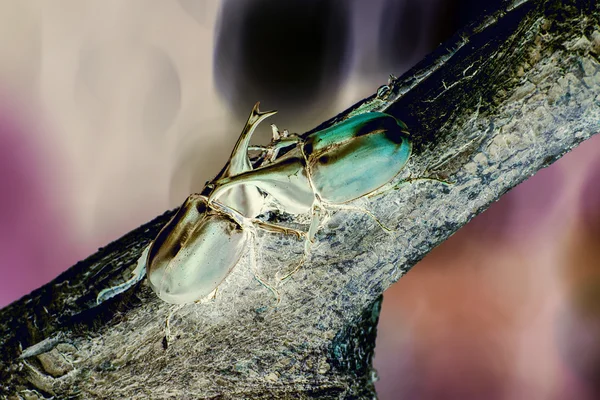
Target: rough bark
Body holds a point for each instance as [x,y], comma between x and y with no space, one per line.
[508,96]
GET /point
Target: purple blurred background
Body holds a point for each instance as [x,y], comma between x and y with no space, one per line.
[112,112]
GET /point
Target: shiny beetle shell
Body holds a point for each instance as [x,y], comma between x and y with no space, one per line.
[195,251]
[338,164]
[356,157]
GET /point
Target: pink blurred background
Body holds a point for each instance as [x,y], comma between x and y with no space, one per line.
[112,112]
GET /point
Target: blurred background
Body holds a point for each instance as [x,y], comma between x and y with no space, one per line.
[112,112]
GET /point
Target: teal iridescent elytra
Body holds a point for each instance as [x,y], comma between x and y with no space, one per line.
[356,157]
[338,164]
[198,248]
[331,167]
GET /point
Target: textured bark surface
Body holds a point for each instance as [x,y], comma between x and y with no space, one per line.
[507,97]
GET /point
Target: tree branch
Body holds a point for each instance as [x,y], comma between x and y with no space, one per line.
[507,97]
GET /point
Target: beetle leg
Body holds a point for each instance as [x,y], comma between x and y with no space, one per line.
[275,147]
[254,264]
[274,228]
[363,210]
[319,215]
[168,336]
[258,147]
[395,186]
[383,189]
[296,268]
[421,178]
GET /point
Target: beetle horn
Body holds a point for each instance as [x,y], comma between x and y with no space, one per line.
[256,113]
[239,161]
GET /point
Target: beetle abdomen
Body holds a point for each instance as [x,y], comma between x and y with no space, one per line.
[356,157]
